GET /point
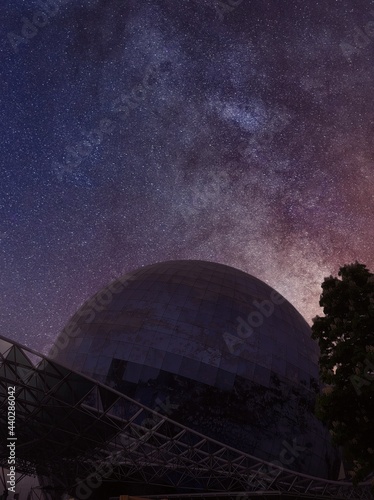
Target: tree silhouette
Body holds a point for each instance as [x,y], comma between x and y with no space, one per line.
[346,340]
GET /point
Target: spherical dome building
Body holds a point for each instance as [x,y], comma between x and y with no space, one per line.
[213,348]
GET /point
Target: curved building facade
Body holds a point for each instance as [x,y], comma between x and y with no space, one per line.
[213,348]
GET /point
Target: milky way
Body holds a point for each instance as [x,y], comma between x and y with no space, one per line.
[134,132]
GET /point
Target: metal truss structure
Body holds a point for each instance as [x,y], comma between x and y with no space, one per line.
[78,432]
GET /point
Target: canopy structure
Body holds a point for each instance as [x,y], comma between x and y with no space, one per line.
[72,429]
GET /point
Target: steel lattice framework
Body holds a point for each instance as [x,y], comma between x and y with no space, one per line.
[70,427]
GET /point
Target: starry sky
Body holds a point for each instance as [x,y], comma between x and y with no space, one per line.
[137,131]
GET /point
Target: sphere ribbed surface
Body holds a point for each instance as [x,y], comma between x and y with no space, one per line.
[213,348]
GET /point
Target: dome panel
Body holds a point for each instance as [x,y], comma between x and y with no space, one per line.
[233,356]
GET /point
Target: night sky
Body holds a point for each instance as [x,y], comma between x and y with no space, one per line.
[137,131]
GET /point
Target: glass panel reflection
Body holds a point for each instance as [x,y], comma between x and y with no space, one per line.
[220,352]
